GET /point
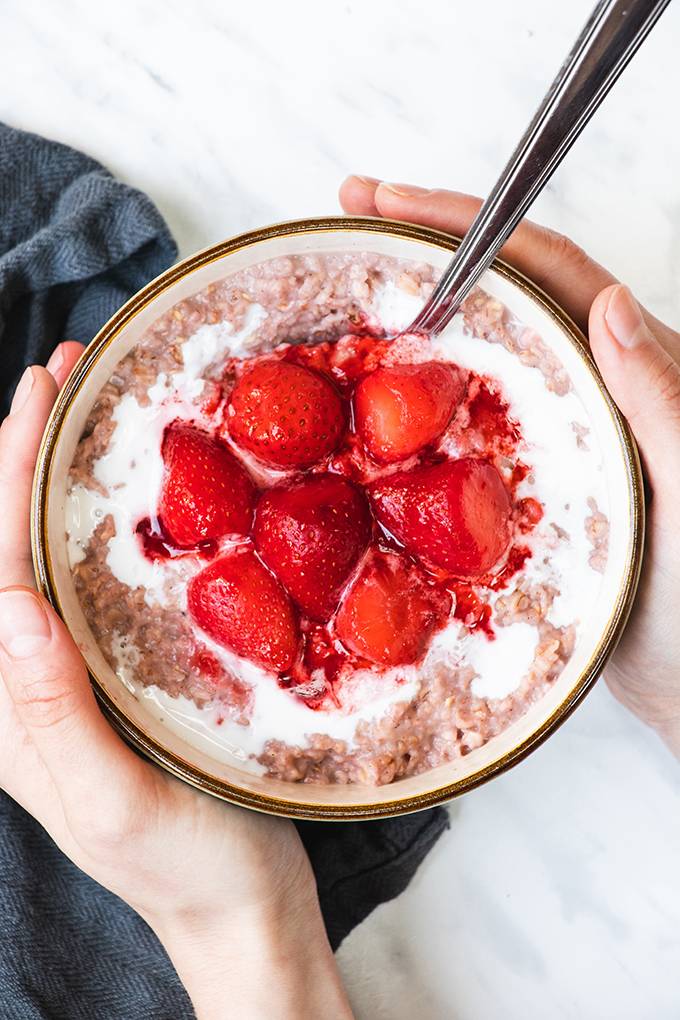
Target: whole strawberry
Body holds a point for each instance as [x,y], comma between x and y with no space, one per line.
[238,603]
[391,611]
[454,515]
[400,409]
[206,492]
[287,415]
[312,535]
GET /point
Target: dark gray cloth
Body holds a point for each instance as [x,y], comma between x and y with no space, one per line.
[74,245]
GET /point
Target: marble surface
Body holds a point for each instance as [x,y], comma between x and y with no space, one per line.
[556,892]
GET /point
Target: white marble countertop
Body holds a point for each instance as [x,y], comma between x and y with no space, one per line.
[556,892]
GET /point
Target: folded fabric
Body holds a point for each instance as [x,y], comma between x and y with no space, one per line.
[74,245]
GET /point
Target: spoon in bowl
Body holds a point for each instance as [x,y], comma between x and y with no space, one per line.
[613,33]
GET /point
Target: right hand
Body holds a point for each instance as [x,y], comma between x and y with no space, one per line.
[639,358]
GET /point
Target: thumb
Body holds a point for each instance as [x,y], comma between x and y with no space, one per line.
[47,682]
[641,376]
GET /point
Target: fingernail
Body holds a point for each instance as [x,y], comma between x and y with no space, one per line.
[56,360]
[24,628]
[405,190]
[22,392]
[370,182]
[624,318]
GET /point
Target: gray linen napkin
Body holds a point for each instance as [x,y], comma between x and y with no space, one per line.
[74,245]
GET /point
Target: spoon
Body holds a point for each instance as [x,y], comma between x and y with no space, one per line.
[613,33]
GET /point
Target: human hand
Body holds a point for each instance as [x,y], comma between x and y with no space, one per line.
[229,892]
[639,358]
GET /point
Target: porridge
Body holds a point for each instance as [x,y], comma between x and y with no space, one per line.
[327,556]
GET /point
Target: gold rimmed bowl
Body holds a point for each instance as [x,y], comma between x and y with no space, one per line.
[130,715]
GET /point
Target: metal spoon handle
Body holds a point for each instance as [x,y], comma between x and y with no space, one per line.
[614,31]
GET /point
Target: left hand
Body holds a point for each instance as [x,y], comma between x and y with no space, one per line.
[229,892]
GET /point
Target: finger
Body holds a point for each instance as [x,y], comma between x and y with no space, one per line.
[644,380]
[47,682]
[62,360]
[357,195]
[20,437]
[551,260]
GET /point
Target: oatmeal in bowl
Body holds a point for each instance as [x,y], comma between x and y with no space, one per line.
[326,573]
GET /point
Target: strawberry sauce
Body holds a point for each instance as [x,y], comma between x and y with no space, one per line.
[346,361]
[157,544]
[234,695]
[490,418]
[470,609]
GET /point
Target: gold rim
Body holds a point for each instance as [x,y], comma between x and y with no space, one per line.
[276,805]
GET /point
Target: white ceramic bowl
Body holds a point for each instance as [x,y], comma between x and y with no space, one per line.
[595,643]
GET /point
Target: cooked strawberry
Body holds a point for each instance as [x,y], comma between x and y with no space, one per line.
[206,492]
[287,415]
[391,611]
[400,409]
[239,604]
[454,515]
[312,535]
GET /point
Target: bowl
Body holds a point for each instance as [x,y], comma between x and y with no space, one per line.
[130,715]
